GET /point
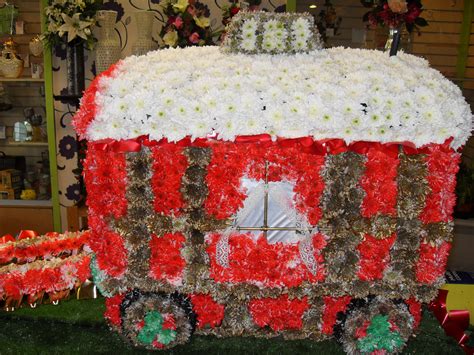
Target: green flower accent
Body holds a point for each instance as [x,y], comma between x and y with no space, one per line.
[153,329]
[379,336]
[98,276]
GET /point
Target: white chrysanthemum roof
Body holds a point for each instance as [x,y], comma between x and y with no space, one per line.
[353,94]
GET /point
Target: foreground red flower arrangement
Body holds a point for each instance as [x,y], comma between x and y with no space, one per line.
[49,276]
[28,250]
[52,264]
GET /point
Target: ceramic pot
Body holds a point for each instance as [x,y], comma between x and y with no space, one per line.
[144,42]
[108,48]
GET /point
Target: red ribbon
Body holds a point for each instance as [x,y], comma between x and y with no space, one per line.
[307,144]
[453,322]
[26,234]
[7,238]
[260,138]
[122,146]
[336,146]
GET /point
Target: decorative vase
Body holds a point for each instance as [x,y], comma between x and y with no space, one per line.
[11,65]
[108,48]
[36,46]
[144,42]
[75,68]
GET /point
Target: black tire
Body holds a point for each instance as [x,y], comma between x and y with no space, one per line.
[136,308]
[360,312]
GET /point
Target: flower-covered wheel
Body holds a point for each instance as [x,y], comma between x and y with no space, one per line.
[375,325]
[157,321]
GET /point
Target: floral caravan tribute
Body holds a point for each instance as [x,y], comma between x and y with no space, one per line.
[271,188]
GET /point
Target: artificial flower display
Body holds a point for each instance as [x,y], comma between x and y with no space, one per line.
[69,21]
[261,32]
[53,275]
[188,24]
[395,13]
[247,191]
[52,264]
[229,11]
[45,247]
[234,6]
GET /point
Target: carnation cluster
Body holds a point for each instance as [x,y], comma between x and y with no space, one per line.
[365,243]
[44,247]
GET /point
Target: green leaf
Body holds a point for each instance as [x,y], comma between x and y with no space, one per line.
[367,3]
[365,18]
[154,318]
[153,329]
[379,336]
[420,21]
[166,336]
[146,335]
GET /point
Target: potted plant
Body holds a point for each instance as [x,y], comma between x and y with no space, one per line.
[394,15]
[188,24]
[71,22]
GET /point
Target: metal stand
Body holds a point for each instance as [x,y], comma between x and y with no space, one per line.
[265,228]
[396,42]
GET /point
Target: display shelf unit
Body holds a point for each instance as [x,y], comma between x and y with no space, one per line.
[22,79]
[24,144]
[41,215]
[26,203]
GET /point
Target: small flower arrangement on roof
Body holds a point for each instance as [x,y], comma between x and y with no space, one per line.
[269,33]
[188,24]
[395,13]
[69,21]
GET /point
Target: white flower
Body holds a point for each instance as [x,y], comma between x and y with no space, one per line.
[299,44]
[248,44]
[350,94]
[268,44]
[250,25]
[271,25]
[301,24]
[74,27]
